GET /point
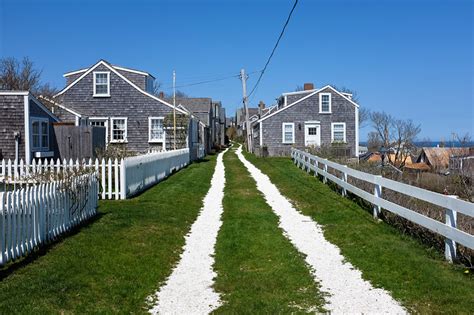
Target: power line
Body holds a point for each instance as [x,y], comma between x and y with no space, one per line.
[274,49]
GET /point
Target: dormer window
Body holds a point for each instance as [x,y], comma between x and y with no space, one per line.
[101,84]
[325,103]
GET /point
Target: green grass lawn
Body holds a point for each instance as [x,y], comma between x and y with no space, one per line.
[115,262]
[259,271]
[416,275]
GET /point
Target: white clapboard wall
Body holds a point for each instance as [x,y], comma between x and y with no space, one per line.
[450,204]
[32,215]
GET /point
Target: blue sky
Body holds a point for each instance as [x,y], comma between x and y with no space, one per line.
[412,59]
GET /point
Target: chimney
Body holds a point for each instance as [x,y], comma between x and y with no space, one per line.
[308,86]
[161,95]
[261,106]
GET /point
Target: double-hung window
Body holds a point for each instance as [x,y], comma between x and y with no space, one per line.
[40,134]
[325,103]
[338,132]
[101,83]
[156,132]
[119,129]
[288,133]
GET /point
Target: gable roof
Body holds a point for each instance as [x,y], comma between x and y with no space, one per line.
[439,157]
[115,66]
[195,104]
[50,103]
[111,68]
[308,96]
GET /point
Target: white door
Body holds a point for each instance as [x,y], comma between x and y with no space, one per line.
[312,135]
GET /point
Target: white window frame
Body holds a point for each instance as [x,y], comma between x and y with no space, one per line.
[124,140]
[321,103]
[283,132]
[106,124]
[332,131]
[41,147]
[150,140]
[108,83]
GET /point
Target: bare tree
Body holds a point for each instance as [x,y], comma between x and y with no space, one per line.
[463,140]
[396,135]
[179,94]
[364,117]
[15,75]
[22,75]
[299,88]
[156,87]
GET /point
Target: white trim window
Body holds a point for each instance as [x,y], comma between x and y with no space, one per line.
[40,134]
[288,132]
[101,83]
[325,103]
[338,132]
[156,132]
[101,122]
[118,129]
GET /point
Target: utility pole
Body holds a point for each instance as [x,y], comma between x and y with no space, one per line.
[243,77]
[174,109]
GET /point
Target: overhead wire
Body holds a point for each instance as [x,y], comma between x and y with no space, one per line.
[274,49]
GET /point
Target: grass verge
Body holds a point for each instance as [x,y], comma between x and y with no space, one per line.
[114,263]
[416,275]
[259,271]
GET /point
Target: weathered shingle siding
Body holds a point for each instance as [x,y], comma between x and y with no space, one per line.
[73,77]
[12,118]
[308,110]
[125,101]
[138,79]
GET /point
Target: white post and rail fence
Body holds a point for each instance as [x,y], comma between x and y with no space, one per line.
[118,179]
[451,205]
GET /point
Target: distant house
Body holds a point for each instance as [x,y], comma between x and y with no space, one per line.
[438,158]
[120,100]
[240,118]
[463,164]
[309,118]
[26,127]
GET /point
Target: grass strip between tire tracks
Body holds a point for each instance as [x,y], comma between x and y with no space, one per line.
[259,271]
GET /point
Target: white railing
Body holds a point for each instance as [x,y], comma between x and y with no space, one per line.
[143,171]
[36,214]
[451,205]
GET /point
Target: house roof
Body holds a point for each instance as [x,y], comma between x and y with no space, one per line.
[418,166]
[313,92]
[439,157]
[114,70]
[195,104]
[115,66]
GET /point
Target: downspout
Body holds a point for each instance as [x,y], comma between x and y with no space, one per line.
[16,134]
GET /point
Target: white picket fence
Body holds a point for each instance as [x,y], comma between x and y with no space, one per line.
[35,214]
[451,205]
[108,172]
[112,173]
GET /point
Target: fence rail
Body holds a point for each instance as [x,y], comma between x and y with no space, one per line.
[451,205]
[36,214]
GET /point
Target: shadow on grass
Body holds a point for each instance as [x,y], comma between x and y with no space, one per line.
[39,252]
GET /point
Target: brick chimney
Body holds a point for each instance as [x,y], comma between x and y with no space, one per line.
[161,95]
[308,86]
[261,106]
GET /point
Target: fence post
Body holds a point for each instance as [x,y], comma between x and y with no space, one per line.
[344,179]
[325,179]
[123,184]
[377,194]
[449,244]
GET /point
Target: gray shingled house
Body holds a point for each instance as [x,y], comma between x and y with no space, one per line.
[309,118]
[121,100]
[26,127]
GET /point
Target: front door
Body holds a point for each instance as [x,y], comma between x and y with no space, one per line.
[312,135]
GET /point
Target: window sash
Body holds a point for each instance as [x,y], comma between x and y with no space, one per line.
[156,129]
[325,103]
[101,83]
[119,129]
[40,134]
[288,133]
[338,132]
